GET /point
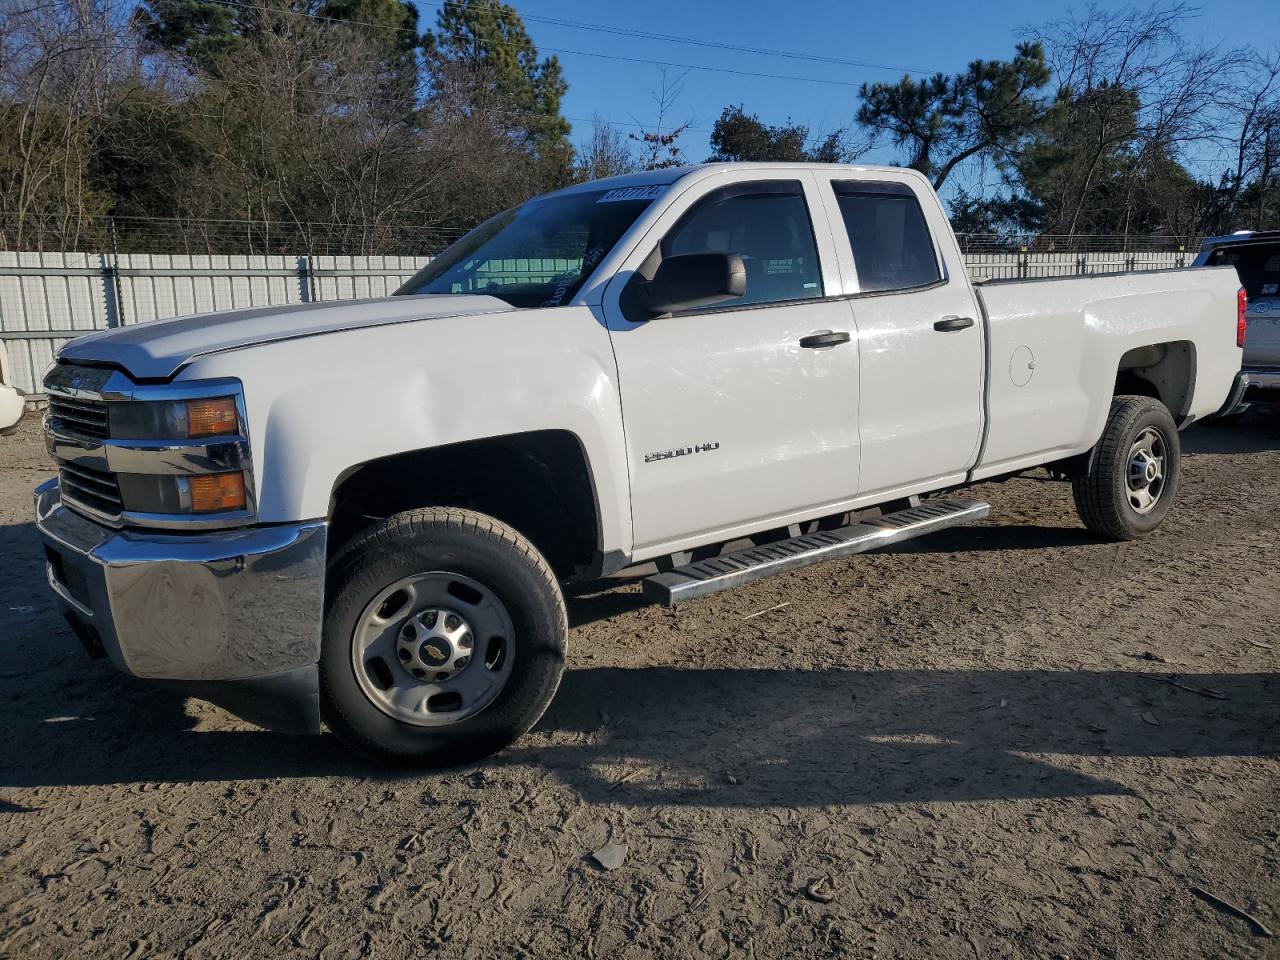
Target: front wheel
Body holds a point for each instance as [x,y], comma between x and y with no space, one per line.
[444,639]
[1129,481]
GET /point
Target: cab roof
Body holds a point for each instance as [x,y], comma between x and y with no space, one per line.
[670,175]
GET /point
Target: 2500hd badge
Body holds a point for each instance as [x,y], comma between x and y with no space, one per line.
[680,451]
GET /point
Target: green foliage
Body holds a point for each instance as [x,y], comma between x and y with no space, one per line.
[331,125]
[488,41]
[200,31]
[390,26]
[741,136]
[148,149]
[995,216]
[944,120]
[1088,169]
[275,125]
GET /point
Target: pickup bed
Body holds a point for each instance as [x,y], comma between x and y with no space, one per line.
[367,511]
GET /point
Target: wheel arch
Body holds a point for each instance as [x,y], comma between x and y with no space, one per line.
[1164,371]
[540,482]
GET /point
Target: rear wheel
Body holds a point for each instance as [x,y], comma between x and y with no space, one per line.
[1130,478]
[444,638]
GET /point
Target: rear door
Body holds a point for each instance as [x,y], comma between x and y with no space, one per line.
[920,339]
[735,417]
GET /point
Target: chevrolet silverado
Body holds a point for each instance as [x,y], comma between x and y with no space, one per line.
[365,513]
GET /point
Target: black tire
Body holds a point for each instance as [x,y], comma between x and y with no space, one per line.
[1101,489]
[460,542]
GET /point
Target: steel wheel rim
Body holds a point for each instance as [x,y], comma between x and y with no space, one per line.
[1146,477]
[433,649]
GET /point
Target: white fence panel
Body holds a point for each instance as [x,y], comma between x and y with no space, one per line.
[66,293]
[47,291]
[157,286]
[350,278]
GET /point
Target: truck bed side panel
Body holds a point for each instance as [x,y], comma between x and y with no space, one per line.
[1056,346]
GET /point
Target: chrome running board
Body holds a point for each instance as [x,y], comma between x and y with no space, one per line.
[755,563]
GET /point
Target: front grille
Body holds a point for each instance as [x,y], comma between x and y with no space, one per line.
[83,416]
[95,489]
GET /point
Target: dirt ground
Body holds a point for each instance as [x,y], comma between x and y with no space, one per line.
[968,747]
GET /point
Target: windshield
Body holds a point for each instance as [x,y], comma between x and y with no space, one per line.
[1258,265]
[537,254]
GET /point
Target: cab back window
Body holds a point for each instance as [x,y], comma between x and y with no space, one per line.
[892,249]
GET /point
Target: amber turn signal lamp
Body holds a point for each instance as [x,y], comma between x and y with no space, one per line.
[212,418]
[217,491]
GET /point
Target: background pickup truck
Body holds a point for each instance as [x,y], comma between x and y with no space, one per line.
[1256,257]
[366,511]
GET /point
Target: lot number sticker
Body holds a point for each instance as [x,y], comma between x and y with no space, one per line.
[633,193]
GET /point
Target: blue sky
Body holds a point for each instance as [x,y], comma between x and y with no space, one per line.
[921,34]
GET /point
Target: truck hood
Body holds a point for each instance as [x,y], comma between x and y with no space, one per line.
[158,349]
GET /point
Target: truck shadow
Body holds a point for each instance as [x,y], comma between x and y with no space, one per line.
[671,737]
[1257,431]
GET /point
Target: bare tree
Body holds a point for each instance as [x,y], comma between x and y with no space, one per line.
[607,154]
[1252,138]
[660,147]
[61,67]
[1131,84]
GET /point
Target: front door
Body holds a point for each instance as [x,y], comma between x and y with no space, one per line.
[735,416]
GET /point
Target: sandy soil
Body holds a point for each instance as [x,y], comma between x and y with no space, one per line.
[964,748]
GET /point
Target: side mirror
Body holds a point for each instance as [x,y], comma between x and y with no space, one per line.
[692,280]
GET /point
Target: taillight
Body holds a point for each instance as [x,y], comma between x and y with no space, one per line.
[1242,323]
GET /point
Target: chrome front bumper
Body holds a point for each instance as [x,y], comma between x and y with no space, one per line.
[233,616]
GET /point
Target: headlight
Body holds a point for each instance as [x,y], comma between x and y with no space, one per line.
[176,494]
[175,419]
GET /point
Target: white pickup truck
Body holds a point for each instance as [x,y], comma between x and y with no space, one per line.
[365,511]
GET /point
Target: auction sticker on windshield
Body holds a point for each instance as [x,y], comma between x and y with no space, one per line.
[647,192]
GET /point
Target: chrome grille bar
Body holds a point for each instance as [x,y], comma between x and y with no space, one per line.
[91,489]
[84,416]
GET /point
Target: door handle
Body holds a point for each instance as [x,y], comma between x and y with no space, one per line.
[950,324]
[827,339]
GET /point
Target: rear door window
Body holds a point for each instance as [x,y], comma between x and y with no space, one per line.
[767,224]
[892,249]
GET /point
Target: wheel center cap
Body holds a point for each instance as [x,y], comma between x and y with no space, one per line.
[434,645]
[1143,469]
[435,651]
